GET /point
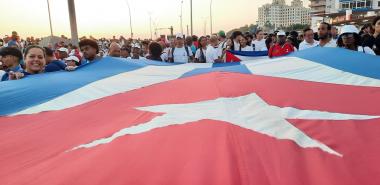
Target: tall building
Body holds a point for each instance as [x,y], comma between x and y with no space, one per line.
[280,14]
[323,7]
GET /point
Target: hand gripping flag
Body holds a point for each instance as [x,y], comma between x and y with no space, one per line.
[312,117]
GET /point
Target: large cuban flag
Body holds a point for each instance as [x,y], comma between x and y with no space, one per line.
[310,118]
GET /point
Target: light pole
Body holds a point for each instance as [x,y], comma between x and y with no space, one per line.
[51,27]
[150,25]
[191,16]
[181,17]
[130,18]
[73,22]
[211,17]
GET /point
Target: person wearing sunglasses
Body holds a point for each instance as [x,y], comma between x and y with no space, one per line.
[350,39]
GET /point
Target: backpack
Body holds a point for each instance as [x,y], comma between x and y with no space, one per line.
[172,54]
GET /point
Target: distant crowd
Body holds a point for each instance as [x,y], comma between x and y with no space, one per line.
[20,58]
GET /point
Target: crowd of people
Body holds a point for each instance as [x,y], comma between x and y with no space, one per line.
[20,58]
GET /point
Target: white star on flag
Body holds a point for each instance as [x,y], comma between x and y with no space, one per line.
[249,112]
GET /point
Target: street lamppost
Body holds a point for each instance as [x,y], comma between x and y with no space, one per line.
[211,17]
[73,22]
[130,17]
[150,25]
[181,17]
[191,16]
[51,27]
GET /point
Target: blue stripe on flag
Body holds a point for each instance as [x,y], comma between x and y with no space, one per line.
[349,61]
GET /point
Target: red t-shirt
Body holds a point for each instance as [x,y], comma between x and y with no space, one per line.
[277,50]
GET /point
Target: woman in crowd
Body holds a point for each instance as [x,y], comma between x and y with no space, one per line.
[200,55]
[155,51]
[35,62]
[376,35]
[244,45]
[350,39]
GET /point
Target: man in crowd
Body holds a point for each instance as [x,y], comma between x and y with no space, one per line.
[114,50]
[180,53]
[52,64]
[10,61]
[90,49]
[125,52]
[259,43]
[309,41]
[281,48]
[324,34]
[63,53]
[212,53]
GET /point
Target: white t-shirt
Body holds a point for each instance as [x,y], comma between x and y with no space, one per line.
[260,45]
[198,54]
[366,50]
[180,55]
[222,45]
[305,45]
[247,48]
[331,44]
[211,54]
[236,46]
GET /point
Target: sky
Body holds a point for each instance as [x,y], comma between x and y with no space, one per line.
[107,18]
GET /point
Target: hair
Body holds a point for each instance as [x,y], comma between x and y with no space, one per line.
[357,38]
[306,30]
[199,41]
[268,41]
[89,42]
[328,25]
[375,20]
[236,34]
[246,38]
[258,31]
[27,50]
[49,52]
[155,51]
[195,38]
[11,51]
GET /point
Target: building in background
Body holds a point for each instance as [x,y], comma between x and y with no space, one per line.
[279,14]
[341,12]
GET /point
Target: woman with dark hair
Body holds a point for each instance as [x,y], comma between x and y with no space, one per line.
[235,39]
[244,46]
[35,62]
[269,42]
[155,51]
[350,39]
[200,54]
[376,34]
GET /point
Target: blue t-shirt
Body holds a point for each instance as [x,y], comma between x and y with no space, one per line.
[56,65]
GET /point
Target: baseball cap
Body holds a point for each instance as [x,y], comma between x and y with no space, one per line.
[281,33]
[62,49]
[74,58]
[221,33]
[179,35]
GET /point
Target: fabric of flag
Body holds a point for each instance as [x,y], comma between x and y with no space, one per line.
[238,56]
[312,117]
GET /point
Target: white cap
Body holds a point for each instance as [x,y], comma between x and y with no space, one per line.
[179,35]
[62,49]
[349,29]
[136,45]
[76,59]
[281,33]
